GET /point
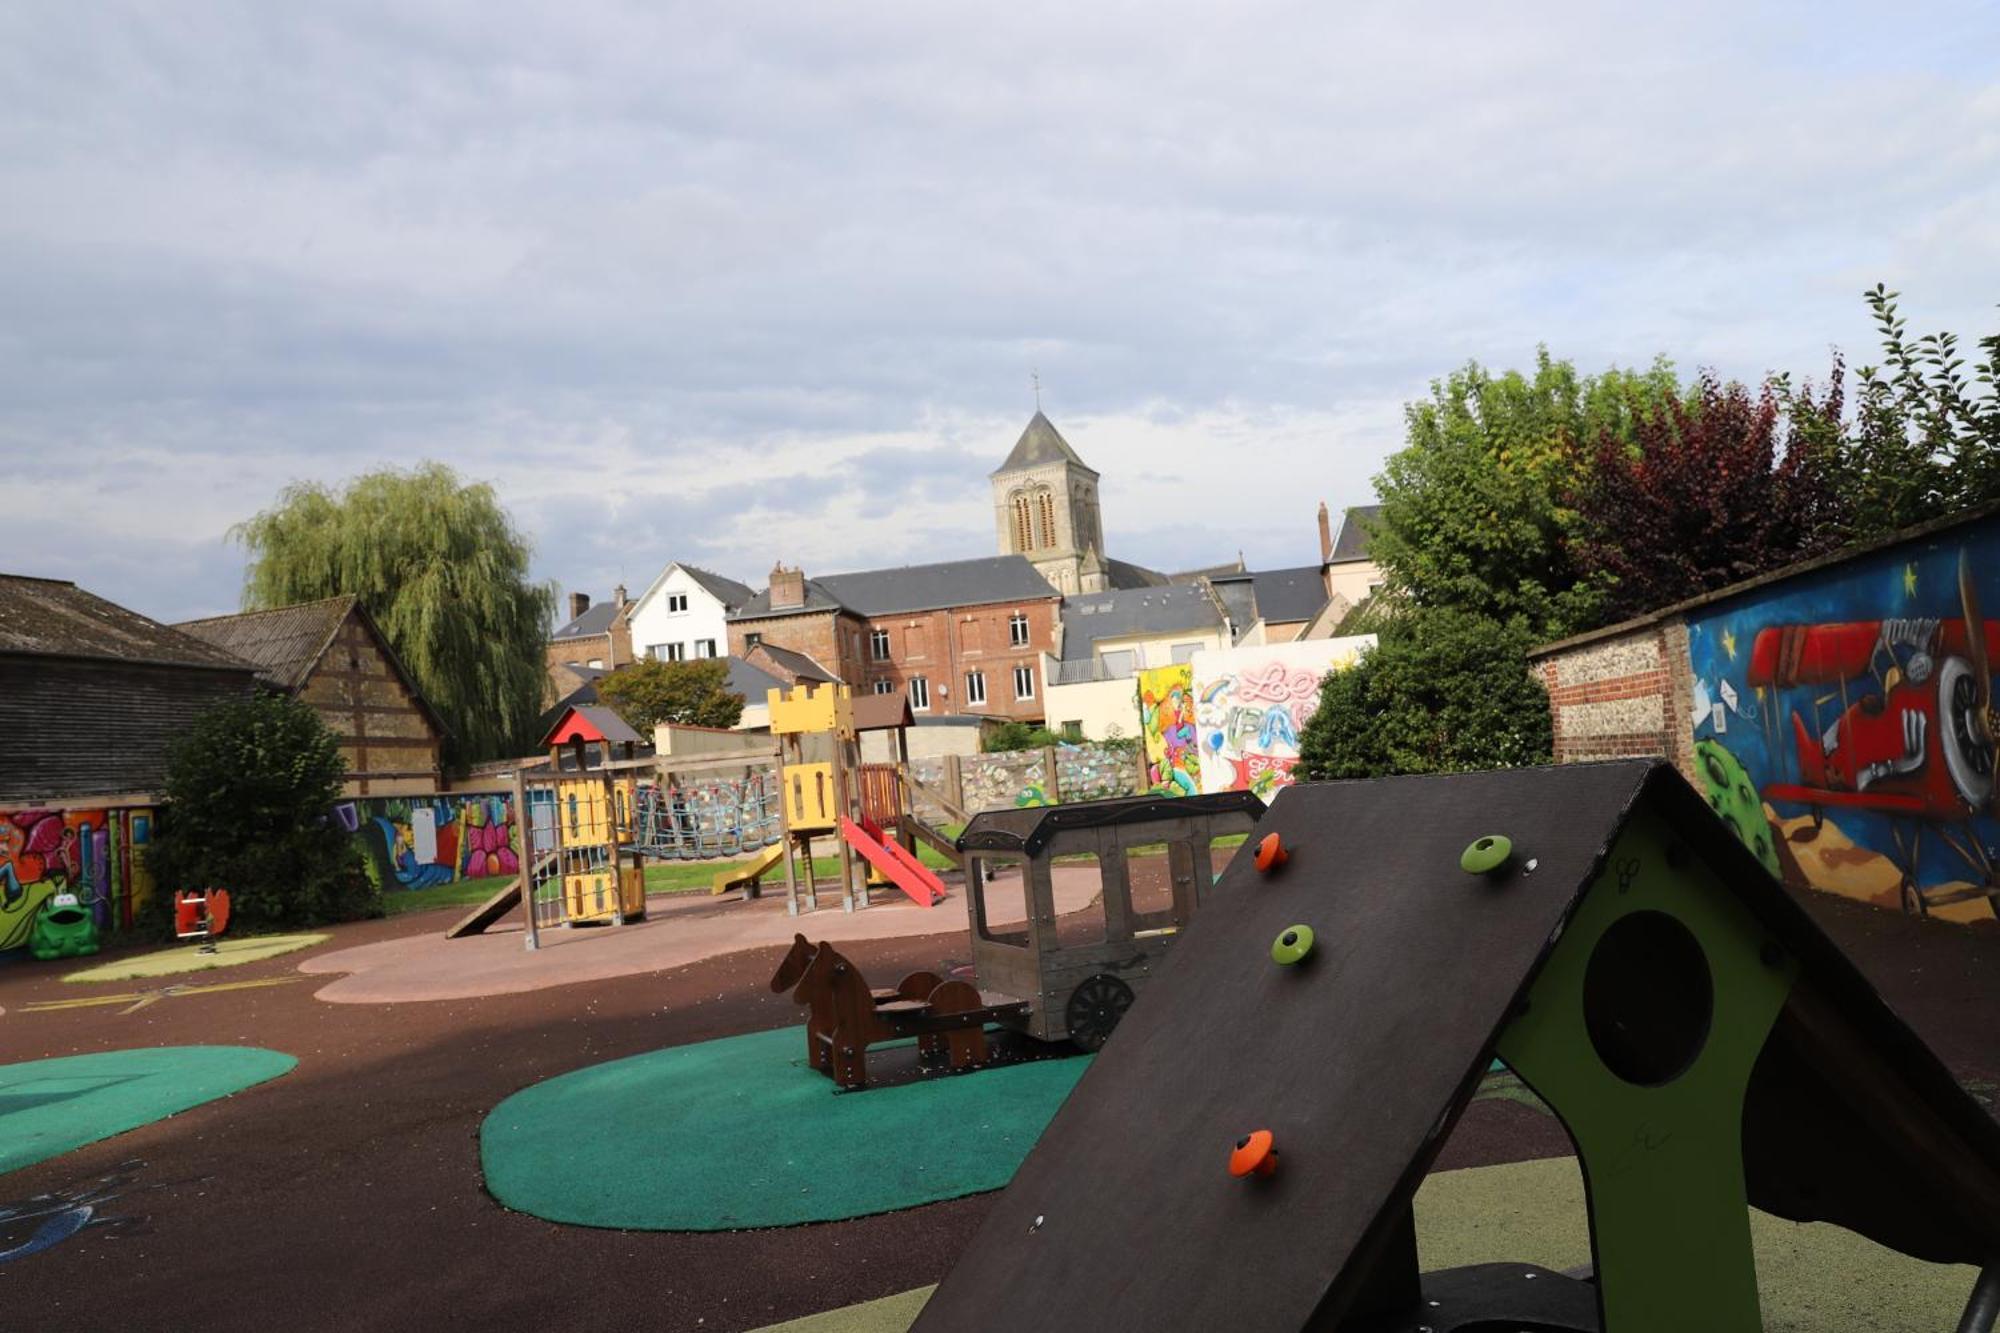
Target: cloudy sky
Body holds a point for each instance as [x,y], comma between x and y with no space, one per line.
[732,283]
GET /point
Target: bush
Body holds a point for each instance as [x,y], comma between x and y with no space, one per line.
[1443,691]
[1018,736]
[249,796]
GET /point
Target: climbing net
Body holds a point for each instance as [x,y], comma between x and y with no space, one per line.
[690,821]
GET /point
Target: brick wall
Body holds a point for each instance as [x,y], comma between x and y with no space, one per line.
[828,637]
[1621,696]
[945,647]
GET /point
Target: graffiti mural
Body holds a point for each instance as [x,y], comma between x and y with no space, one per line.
[1251,707]
[46,852]
[420,842]
[30,1226]
[1167,727]
[1845,723]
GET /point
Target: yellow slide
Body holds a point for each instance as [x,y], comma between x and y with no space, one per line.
[748,872]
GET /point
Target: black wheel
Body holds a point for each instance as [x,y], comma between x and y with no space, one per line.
[1094,1009]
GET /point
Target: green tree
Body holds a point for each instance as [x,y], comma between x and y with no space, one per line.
[1475,512]
[693,694]
[1443,691]
[1925,440]
[444,572]
[249,795]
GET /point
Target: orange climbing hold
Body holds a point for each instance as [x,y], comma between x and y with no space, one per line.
[1253,1155]
[1271,853]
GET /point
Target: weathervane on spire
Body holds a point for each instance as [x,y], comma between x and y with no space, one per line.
[1035,374]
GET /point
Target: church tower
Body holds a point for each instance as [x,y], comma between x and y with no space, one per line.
[1045,507]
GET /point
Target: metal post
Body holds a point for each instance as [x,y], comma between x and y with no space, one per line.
[524,828]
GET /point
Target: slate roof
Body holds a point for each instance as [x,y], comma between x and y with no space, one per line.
[285,642]
[1127,611]
[1280,595]
[1125,574]
[725,590]
[750,680]
[595,620]
[55,618]
[1040,443]
[907,588]
[799,664]
[1351,542]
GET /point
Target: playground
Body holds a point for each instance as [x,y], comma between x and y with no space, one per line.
[623,1127]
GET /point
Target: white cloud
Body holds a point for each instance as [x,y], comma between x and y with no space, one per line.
[640,261]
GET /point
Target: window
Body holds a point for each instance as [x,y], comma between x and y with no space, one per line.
[1017,630]
[1184,652]
[920,694]
[885,686]
[975,687]
[677,602]
[595,662]
[1072,732]
[1024,682]
[1118,665]
[1046,525]
[751,641]
[704,647]
[657,651]
[676,652]
[1023,540]
[878,644]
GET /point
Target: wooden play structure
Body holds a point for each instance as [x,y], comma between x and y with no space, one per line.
[845,1016]
[1245,1155]
[825,791]
[1076,978]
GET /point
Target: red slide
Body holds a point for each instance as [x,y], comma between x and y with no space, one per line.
[901,869]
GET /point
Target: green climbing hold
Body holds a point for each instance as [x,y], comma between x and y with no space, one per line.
[1292,945]
[1486,855]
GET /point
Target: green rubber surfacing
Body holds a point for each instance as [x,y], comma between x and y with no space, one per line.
[737,1133]
[48,1107]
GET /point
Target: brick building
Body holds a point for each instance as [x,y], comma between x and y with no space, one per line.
[594,636]
[964,636]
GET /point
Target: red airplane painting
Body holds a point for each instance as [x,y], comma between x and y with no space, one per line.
[1915,738]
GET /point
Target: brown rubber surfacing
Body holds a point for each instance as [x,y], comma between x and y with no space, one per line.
[347,1194]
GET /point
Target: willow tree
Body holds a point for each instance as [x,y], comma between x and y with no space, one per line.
[443,570]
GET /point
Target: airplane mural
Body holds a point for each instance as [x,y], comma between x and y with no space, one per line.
[1870,738]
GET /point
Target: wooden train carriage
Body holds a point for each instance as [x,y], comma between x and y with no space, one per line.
[1079,973]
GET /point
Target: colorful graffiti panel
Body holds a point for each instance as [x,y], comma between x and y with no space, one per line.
[1167,727]
[1252,705]
[46,852]
[420,842]
[1845,721]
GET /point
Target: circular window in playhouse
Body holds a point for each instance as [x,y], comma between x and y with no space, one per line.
[1648,999]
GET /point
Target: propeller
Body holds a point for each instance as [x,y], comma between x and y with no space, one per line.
[1983,716]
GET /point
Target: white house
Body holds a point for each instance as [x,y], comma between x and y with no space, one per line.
[681,614]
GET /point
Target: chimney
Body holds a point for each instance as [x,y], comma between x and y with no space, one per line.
[579,602]
[618,594]
[1325,534]
[788,587]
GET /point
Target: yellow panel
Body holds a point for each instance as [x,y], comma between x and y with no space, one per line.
[632,889]
[810,799]
[826,708]
[587,896]
[581,802]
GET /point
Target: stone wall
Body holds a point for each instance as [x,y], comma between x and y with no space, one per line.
[1021,778]
[1621,695]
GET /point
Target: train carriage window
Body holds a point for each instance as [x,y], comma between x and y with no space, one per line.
[1002,900]
[1151,869]
[1079,884]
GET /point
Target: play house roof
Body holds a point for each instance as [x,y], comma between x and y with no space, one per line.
[591,723]
[1123,1216]
[882,712]
[1027,830]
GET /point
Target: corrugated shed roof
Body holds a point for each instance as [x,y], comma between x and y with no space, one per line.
[55,618]
[284,642]
[1127,611]
[1351,543]
[1041,443]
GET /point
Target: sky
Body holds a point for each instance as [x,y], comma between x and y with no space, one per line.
[733,284]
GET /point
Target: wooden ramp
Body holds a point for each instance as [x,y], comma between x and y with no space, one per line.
[495,909]
[1759,1068]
